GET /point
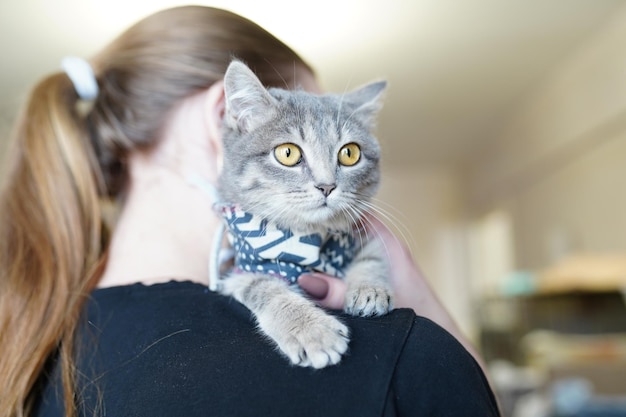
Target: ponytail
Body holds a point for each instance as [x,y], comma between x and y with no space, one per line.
[49,241]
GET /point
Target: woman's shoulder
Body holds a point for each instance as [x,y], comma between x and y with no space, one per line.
[390,358]
[436,376]
[148,350]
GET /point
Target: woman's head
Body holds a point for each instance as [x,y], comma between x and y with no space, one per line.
[164,58]
[64,160]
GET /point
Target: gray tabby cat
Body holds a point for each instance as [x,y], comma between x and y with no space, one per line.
[301,167]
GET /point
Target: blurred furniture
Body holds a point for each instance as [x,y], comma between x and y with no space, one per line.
[570,325]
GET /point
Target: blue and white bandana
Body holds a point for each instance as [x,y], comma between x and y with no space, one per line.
[261,247]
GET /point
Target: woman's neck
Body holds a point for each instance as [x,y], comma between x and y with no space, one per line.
[164,233]
[167,224]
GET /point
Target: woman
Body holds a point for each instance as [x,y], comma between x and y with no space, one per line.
[125,326]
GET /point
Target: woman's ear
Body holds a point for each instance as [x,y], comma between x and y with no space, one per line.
[215,107]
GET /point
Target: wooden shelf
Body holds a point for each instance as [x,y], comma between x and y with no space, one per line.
[584,273]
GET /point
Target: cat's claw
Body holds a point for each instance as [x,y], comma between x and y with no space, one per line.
[368,301]
[320,343]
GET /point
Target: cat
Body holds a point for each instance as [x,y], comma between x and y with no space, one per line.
[298,172]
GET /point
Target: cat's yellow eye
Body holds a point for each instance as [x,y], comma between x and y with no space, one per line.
[288,154]
[349,154]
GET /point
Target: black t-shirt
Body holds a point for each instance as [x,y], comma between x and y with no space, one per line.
[177,349]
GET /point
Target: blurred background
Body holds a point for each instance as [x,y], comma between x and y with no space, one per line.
[504,136]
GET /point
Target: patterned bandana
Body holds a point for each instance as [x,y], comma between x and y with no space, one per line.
[263,248]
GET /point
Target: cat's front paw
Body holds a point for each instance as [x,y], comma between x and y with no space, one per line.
[317,341]
[367,300]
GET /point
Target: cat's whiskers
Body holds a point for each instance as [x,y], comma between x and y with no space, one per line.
[373,204]
[270,214]
[358,213]
[405,235]
[345,122]
[356,219]
[368,222]
[280,75]
[262,208]
[369,227]
[295,199]
[345,90]
[391,207]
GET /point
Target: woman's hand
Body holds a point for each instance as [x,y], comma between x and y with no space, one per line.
[327,291]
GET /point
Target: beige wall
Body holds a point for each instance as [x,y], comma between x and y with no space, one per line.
[558,164]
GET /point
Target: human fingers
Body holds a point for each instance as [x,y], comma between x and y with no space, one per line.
[327,291]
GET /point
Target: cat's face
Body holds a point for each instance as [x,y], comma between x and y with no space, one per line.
[302,161]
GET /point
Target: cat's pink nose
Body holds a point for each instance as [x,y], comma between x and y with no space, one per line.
[326,189]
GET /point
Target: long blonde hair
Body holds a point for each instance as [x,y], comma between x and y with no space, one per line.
[62,163]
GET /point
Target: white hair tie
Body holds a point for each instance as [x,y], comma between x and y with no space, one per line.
[82,76]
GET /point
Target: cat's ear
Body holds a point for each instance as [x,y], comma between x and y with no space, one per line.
[248,104]
[367,101]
